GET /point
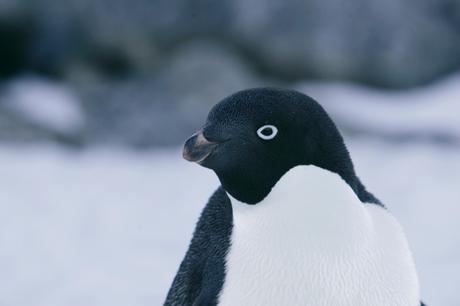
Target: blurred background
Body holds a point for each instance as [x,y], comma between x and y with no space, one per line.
[97,96]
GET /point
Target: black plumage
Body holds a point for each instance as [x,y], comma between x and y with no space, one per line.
[248,167]
[201,273]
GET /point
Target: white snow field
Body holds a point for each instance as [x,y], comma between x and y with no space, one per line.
[109,227]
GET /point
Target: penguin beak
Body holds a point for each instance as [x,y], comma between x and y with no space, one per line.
[197,148]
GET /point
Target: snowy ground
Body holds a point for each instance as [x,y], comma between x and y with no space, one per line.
[109,227]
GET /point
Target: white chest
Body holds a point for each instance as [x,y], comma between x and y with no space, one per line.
[312,242]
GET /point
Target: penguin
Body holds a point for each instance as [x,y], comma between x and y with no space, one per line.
[291,222]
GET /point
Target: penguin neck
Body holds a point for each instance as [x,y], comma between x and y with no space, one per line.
[338,160]
[299,204]
[252,189]
[249,188]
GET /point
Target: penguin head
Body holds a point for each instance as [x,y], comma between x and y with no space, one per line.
[253,137]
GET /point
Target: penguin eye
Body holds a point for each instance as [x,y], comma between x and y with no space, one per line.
[267,132]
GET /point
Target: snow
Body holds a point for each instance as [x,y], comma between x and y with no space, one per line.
[46,103]
[109,226]
[97,228]
[433,108]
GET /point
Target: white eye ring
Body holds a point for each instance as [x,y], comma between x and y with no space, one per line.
[272,128]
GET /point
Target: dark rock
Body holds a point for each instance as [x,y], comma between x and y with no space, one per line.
[383,43]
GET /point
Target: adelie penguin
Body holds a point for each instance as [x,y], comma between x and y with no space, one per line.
[291,223]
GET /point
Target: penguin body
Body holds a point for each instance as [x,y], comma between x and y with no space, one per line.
[291,223]
[312,242]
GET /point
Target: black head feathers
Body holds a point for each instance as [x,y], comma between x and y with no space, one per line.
[251,138]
